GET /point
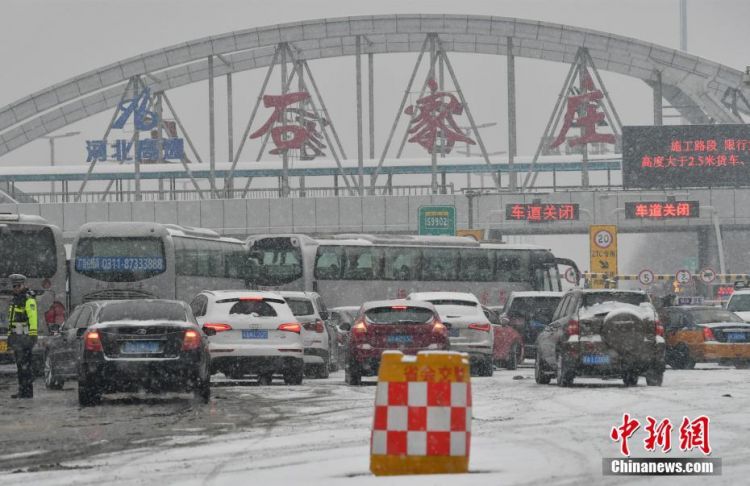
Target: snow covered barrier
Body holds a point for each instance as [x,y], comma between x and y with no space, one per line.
[422,422]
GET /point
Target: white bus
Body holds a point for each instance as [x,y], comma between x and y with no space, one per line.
[152,261]
[351,269]
[33,247]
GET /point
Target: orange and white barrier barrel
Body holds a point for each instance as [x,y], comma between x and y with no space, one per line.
[422,422]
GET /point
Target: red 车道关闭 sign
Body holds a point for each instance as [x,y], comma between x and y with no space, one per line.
[541,213]
[662,209]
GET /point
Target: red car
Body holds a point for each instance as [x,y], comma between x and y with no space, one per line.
[404,325]
[507,349]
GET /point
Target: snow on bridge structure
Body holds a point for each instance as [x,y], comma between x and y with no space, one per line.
[697,88]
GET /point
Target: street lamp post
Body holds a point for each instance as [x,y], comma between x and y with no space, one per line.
[52,139]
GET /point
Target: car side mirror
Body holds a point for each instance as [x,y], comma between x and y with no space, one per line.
[81,331]
[345,326]
[54,329]
[209,331]
[325,315]
[504,321]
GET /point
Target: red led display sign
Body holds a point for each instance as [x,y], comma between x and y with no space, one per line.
[662,210]
[541,213]
[686,156]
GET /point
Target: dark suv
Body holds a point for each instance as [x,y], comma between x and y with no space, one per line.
[602,333]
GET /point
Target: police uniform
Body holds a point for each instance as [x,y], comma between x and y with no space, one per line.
[22,334]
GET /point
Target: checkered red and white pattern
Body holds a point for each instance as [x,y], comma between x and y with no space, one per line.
[422,419]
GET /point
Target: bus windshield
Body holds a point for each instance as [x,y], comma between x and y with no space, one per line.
[120,259]
[28,250]
[275,261]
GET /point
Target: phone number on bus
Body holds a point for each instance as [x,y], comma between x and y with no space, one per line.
[109,264]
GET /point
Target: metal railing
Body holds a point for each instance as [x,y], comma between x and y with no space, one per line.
[260,193]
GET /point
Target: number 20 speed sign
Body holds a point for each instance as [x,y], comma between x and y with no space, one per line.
[603,249]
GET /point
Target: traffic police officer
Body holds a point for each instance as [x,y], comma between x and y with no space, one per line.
[22,333]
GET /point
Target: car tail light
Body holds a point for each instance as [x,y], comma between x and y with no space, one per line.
[659,328]
[191,340]
[92,342]
[439,328]
[218,326]
[572,329]
[359,328]
[708,334]
[55,314]
[290,327]
[480,327]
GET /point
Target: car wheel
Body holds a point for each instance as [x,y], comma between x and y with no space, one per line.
[540,374]
[51,381]
[630,378]
[512,362]
[352,374]
[565,376]
[324,369]
[293,376]
[654,378]
[89,392]
[202,391]
[265,379]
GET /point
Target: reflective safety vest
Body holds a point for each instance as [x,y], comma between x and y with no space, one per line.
[22,315]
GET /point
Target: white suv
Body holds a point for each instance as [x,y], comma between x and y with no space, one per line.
[739,303]
[310,311]
[256,333]
[469,329]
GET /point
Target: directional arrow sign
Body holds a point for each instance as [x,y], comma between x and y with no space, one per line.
[604,264]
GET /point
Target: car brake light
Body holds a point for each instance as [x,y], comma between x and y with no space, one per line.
[359,328]
[218,326]
[290,327]
[55,314]
[572,329]
[439,328]
[708,334]
[399,307]
[92,342]
[659,329]
[480,327]
[253,298]
[191,340]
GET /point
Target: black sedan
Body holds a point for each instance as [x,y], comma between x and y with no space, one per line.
[151,344]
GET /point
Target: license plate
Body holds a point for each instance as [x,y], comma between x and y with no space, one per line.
[140,347]
[3,346]
[254,334]
[453,332]
[399,339]
[595,359]
[736,337]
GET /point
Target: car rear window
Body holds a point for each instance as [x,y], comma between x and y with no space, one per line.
[300,307]
[704,316]
[142,311]
[399,315]
[539,307]
[249,307]
[467,303]
[631,298]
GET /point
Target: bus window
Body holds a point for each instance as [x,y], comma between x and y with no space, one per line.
[512,266]
[401,264]
[439,264]
[362,263]
[277,265]
[29,251]
[328,262]
[476,266]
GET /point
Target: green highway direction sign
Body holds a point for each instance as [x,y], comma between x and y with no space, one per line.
[437,220]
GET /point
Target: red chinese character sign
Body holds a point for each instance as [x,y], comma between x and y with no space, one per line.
[297,129]
[433,118]
[541,213]
[662,210]
[686,156]
[583,112]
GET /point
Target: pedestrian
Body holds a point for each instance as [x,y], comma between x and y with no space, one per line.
[22,333]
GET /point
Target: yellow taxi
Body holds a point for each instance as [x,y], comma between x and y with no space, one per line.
[700,334]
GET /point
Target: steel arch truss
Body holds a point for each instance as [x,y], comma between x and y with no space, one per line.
[702,82]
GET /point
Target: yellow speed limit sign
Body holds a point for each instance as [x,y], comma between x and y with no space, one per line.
[603,251]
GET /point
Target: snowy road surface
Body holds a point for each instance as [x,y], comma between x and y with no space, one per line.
[318,433]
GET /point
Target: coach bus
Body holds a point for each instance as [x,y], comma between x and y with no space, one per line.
[349,269]
[152,261]
[32,246]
